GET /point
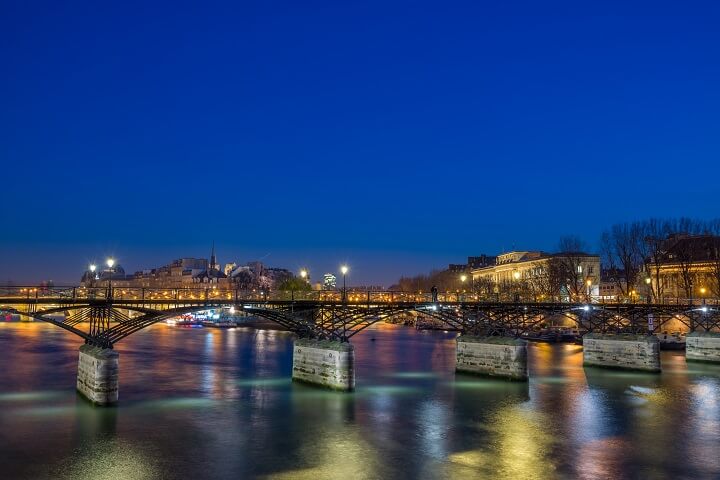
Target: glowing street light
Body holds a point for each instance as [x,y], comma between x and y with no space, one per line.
[93,267]
[110,262]
[303,274]
[588,282]
[344,269]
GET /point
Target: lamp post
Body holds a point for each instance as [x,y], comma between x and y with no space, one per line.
[516,278]
[463,279]
[588,282]
[304,276]
[344,269]
[702,294]
[648,281]
[110,263]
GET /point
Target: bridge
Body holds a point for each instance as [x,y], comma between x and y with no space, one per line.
[490,340]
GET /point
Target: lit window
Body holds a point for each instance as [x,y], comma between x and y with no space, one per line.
[579,268]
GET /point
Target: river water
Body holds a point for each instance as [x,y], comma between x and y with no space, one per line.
[206,403]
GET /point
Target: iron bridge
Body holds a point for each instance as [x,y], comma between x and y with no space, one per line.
[103,316]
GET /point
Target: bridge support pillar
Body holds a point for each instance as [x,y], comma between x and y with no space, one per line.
[703,346]
[493,356]
[631,352]
[97,377]
[325,363]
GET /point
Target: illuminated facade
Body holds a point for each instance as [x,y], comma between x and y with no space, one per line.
[538,273]
[329,281]
[688,267]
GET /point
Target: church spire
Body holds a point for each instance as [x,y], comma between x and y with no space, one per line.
[213,260]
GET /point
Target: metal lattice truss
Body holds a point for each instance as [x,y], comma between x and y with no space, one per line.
[107,321]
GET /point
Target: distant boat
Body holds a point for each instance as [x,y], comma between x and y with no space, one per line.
[671,341]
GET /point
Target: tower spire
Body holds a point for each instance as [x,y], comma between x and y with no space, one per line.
[213,260]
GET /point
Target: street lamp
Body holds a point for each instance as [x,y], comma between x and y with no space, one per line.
[110,262]
[702,293]
[303,274]
[93,267]
[588,282]
[516,277]
[648,280]
[463,278]
[344,270]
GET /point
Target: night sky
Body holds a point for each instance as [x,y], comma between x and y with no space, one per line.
[394,136]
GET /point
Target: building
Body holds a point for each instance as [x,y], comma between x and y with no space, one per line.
[329,281]
[687,267]
[537,275]
[472,264]
[481,261]
[457,267]
[183,272]
[613,286]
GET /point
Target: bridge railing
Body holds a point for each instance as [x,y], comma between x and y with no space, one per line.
[211,293]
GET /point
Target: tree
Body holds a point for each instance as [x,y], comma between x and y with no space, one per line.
[293,284]
[556,277]
[570,256]
[244,280]
[622,251]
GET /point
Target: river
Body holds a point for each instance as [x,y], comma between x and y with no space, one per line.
[208,403]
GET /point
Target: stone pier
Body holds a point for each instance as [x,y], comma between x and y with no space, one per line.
[97,378]
[703,346]
[494,356]
[632,352]
[325,363]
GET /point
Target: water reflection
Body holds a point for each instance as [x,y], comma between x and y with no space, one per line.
[220,404]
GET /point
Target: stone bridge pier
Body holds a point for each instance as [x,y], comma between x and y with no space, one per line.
[97,376]
[624,351]
[493,356]
[326,363]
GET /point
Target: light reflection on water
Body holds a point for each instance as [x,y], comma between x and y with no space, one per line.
[198,403]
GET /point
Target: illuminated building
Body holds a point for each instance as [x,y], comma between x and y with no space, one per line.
[688,266]
[536,273]
[329,281]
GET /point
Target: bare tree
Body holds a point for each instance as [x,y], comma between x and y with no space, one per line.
[655,233]
[622,250]
[571,256]
[714,228]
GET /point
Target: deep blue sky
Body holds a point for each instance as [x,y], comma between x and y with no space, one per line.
[396,136]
